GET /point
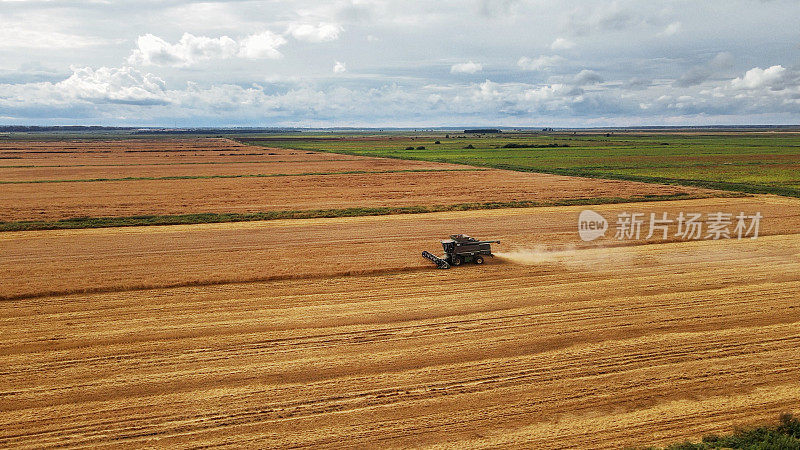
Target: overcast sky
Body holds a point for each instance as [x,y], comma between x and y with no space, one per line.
[399,63]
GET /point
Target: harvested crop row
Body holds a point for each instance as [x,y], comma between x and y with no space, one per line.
[38,262]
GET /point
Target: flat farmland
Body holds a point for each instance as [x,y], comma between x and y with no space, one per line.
[267,337]
[66,180]
[335,332]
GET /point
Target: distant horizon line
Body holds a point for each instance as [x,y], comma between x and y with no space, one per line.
[13,128]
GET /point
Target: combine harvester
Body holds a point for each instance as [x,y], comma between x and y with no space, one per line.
[459,249]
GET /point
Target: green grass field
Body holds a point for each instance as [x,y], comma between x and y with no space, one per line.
[767,163]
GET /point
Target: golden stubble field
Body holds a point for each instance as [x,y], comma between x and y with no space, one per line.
[336,333]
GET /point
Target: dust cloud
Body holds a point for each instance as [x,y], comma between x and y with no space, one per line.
[538,255]
[567,256]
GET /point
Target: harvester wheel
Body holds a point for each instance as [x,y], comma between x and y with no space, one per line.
[456,260]
[479,259]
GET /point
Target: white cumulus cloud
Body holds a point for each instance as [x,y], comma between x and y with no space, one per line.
[467,67]
[774,77]
[543,62]
[124,85]
[191,49]
[562,44]
[152,50]
[321,32]
[671,29]
[339,67]
[261,45]
[585,77]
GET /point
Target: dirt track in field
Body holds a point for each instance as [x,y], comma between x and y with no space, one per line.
[219,157]
[588,347]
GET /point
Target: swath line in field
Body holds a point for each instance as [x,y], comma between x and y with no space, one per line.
[269,278]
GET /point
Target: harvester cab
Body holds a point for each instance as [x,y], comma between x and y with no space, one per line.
[460,249]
